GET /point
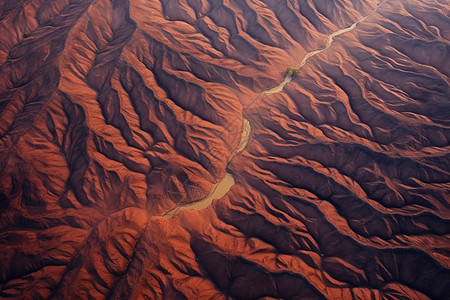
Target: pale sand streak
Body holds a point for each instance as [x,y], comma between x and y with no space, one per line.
[331,37]
[221,189]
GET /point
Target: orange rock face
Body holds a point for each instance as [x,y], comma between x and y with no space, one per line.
[115,112]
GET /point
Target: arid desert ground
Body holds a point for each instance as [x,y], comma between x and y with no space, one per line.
[224,149]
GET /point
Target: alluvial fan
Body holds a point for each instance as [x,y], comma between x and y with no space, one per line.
[224,149]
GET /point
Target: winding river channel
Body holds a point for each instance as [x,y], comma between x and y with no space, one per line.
[310,54]
[222,187]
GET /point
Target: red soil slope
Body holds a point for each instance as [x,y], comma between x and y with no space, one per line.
[114,112]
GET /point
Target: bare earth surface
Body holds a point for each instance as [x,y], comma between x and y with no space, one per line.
[145,154]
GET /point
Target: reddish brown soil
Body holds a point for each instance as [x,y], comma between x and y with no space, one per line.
[115,112]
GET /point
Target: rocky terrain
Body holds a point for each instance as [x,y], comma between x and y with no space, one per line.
[148,150]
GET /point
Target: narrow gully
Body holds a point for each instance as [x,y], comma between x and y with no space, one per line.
[221,188]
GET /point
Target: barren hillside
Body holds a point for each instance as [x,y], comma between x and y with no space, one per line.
[157,149]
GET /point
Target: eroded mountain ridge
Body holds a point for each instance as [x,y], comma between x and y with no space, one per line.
[113,113]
